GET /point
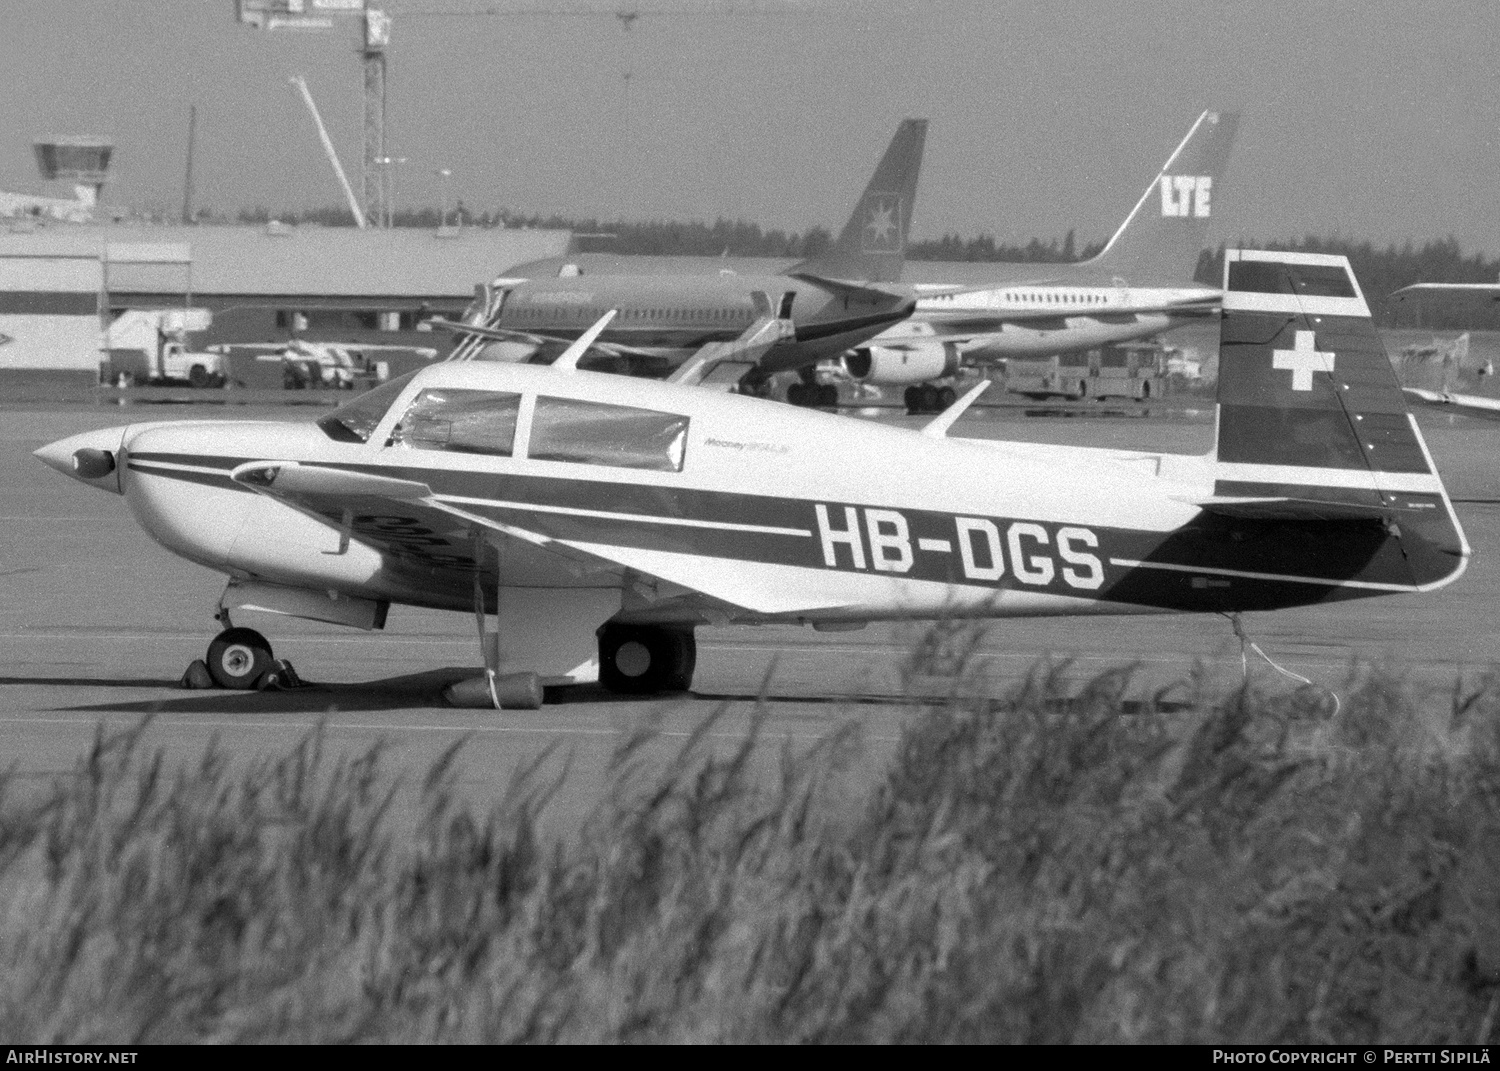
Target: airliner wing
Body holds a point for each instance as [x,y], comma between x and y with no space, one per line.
[986,321]
[529,338]
[438,531]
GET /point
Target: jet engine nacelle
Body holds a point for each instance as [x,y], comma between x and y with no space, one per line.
[902,365]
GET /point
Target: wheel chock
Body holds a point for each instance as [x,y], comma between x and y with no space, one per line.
[197,676]
[513,691]
[281,677]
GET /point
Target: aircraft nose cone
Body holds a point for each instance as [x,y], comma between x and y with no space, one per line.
[91,458]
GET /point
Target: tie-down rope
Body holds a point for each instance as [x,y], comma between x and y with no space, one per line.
[1247,645]
[491,659]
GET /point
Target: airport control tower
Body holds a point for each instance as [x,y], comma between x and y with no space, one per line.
[83,161]
[80,160]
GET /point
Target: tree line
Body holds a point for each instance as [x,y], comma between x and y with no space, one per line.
[1381,270]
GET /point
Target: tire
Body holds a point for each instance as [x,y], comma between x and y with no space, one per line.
[929,398]
[946,396]
[794,394]
[198,377]
[828,396]
[646,659]
[238,657]
[913,399]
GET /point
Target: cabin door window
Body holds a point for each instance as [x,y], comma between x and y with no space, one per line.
[460,422]
[593,433]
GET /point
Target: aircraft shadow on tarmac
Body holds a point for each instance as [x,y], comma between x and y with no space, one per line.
[412,691]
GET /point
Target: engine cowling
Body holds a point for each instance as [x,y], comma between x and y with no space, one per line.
[902,365]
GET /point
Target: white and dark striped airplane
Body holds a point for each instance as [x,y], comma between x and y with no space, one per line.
[604,519]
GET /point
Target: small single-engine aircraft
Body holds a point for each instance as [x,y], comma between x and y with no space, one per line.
[603,519]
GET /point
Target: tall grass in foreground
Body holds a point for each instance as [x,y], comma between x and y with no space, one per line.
[1038,869]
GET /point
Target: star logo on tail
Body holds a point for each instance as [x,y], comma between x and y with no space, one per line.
[882,229]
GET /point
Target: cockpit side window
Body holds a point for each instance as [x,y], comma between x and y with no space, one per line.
[591,433]
[353,423]
[460,422]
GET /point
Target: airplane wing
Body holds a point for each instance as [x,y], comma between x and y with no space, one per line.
[437,536]
[528,338]
[1468,404]
[985,321]
[969,329]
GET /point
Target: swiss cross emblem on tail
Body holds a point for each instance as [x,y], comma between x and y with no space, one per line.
[1302,360]
[1186,195]
[882,230]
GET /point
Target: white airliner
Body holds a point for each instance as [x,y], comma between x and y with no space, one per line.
[1139,285]
[603,519]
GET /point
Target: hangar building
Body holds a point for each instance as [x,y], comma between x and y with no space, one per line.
[60,285]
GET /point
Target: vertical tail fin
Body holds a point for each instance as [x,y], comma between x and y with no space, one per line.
[1312,423]
[1161,238]
[872,246]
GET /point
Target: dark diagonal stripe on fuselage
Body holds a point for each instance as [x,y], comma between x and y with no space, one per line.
[1246,564]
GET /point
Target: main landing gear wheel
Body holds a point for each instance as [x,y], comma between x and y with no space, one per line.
[813,395]
[927,398]
[238,657]
[642,659]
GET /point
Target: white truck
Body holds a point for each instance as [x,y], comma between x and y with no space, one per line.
[145,347]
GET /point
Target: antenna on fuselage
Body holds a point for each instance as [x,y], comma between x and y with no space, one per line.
[568,362]
[938,428]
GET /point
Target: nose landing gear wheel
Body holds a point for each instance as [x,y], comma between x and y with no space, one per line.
[237,657]
[643,659]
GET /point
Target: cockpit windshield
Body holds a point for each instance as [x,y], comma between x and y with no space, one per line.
[353,423]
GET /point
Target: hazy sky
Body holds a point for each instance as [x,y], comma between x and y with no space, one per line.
[1365,118]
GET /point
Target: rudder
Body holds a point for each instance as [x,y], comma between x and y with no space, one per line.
[1311,413]
[1162,236]
[872,246]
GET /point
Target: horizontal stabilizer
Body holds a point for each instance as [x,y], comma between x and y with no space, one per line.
[1299,509]
[849,287]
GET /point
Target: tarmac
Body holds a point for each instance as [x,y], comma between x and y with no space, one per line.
[97,624]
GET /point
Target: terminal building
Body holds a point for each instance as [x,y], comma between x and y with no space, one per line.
[61,284]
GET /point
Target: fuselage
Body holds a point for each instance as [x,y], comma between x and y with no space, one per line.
[757,512]
[673,317]
[1004,309]
[1034,320]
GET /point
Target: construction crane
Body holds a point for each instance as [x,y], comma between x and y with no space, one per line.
[328,149]
[374,24]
